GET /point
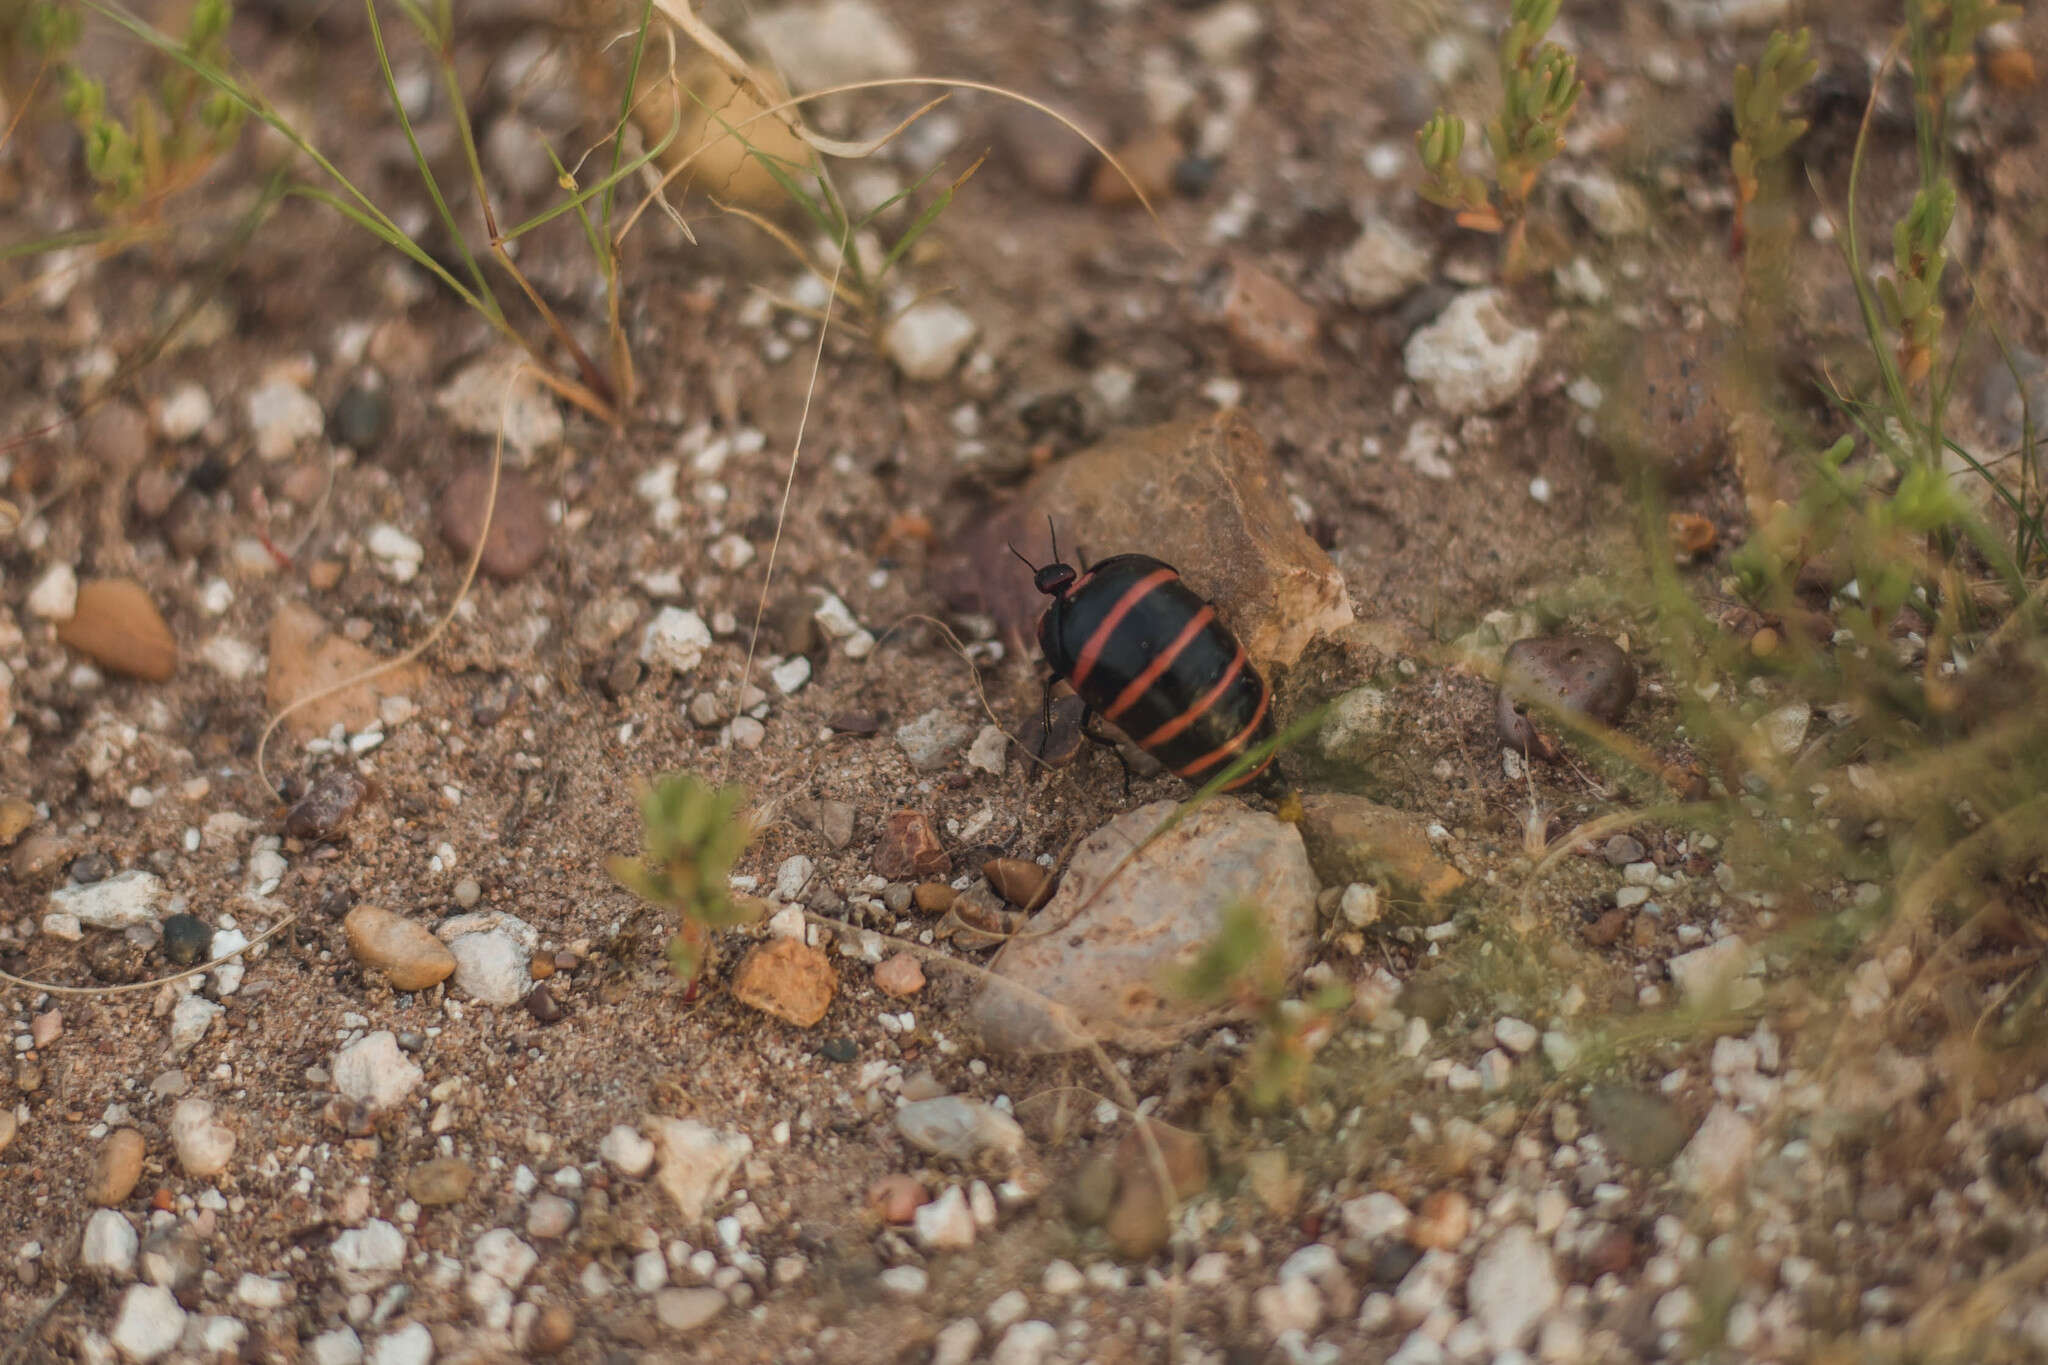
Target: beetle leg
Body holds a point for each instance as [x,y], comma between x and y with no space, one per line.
[1094,736]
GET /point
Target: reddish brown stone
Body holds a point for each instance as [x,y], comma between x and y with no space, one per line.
[519,520]
[909,848]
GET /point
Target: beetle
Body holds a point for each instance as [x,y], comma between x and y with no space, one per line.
[1146,652]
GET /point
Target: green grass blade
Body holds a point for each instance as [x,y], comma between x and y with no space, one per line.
[590,232]
[392,237]
[576,201]
[626,113]
[482,287]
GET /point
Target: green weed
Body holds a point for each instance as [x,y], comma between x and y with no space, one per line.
[691,833]
[1763,131]
[1244,967]
[215,98]
[1539,89]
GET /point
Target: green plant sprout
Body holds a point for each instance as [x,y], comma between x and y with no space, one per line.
[1942,41]
[691,833]
[1763,134]
[1539,89]
[1243,966]
[172,133]
[601,390]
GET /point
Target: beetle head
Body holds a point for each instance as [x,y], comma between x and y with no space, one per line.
[1055,578]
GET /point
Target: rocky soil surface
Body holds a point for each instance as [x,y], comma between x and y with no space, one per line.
[438,1096]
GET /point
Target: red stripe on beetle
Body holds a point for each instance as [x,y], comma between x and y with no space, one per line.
[1196,708]
[1136,593]
[1225,750]
[1139,685]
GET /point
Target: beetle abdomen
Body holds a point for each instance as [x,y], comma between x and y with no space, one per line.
[1143,649]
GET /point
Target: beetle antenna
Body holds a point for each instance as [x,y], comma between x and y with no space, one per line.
[1020,554]
[1054,533]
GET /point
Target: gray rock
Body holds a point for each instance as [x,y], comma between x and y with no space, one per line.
[1131,913]
[1027,1343]
[697,1162]
[411,1344]
[675,640]
[148,1323]
[374,1072]
[204,1144]
[1719,1152]
[959,1129]
[990,750]
[499,392]
[1706,972]
[501,1255]
[191,1017]
[549,1216]
[1611,208]
[338,1347]
[281,414]
[835,42]
[491,968]
[369,1257]
[945,1224]
[1383,265]
[956,1342]
[626,1151]
[926,340]
[1472,358]
[930,741]
[685,1310]
[110,1245]
[1512,1285]
[121,901]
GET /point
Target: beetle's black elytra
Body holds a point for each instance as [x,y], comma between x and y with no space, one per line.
[1144,651]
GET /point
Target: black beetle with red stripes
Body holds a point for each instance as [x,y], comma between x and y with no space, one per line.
[1145,652]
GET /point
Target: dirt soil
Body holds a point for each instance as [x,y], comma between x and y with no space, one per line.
[508,781]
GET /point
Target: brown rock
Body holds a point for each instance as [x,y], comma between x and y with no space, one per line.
[1602,932]
[722,135]
[16,815]
[1023,884]
[1351,839]
[900,976]
[405,951]
[444,1180]
[1046,154]
[323,810]
[553,1330]
[1148,160]
[1133,913]
[1666,412]
[934,898]
[115,437]
[39,855]
[1272,328]
[1552,680]
[1052,735]
[896,1198]
[1442,1221]
[1199,495]
[116,1168]
[308,658]
[1185,1155]
[909,847]
[118,627]
[519,520]
[1139,1221]
[788,979]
